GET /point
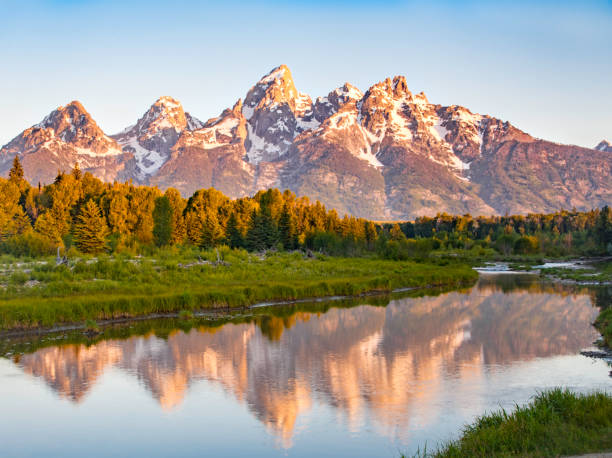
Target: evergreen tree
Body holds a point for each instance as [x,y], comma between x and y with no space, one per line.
[233,235]
[212,233]
[256,239]
[604,228]
[162,221]
[268,228]
[76,171]
[194,225]
[91,230]
[16,176]
[59,177]
[16,172]
[177,203]
[118,213]
[286,229]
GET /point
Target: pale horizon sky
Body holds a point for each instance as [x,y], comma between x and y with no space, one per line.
[546,67]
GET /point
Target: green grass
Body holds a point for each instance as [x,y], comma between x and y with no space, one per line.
[603,323]
[555,423]
[187,320]
[119,287]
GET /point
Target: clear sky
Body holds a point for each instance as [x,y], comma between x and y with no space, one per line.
[546,67]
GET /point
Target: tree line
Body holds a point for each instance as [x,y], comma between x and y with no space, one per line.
[79,210]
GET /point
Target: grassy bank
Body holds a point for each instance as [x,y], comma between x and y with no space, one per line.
[603,323]
[269,319]
[555,423]
[39,293]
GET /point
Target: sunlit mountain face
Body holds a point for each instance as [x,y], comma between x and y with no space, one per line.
[381,362]
[385,153]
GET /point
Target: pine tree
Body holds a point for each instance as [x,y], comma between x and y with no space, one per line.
[286,229]
[76,171]
[194,226]
[269,229]
[16,176]
[233,235]
[162,221]
[16,172]
[177,204]
[212,233]
[91,230]
[603,227]
[255,239]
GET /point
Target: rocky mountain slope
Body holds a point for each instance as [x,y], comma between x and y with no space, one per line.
[68,135]
[383,154]
[604,145]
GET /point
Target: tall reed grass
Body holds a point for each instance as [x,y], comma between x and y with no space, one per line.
[556,423]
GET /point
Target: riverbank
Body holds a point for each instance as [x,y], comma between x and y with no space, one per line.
[42,295]
[555,423]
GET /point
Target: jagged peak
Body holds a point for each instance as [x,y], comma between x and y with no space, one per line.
[275,87]
[165,113]
[70,112]
[604,145]
[280,73]
[421,98]
[349,91]
[237,108]
[74,105]
[167,102]
[395,88]
[399,84]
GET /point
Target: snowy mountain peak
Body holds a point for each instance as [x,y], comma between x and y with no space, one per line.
[604,145]
[394,88]
[168,102]
[349,91]
[71,124]
[273,89]
[66,136]
[156,132]
[70,117]
[276,113]
[277,74]
[165,113]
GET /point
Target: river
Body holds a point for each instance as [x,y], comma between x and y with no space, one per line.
[370,377]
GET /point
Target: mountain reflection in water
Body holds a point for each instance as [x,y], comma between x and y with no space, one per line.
[364,359]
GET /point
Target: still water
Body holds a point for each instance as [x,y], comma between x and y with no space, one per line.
[370,378]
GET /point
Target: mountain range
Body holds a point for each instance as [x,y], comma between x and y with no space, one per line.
[385,154]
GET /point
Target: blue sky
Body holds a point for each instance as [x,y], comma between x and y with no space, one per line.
[546,67]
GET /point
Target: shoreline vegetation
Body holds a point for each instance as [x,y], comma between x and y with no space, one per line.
[41,294]
[271,319]
[557,422]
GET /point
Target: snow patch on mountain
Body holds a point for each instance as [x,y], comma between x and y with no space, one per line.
[399,122]
[259,146]
[220,133]
[147,161]
[438,130]
[604,145]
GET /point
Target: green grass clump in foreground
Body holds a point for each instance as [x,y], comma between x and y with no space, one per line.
[108,288]
[556,422]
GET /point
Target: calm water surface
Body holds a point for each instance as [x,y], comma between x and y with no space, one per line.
[326,380]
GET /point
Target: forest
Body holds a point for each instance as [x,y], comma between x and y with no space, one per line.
[80,213]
